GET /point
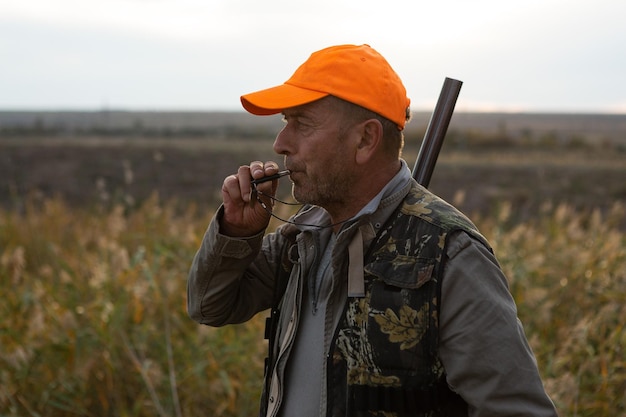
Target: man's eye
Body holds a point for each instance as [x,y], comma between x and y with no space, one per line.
[296,123]
[301,125]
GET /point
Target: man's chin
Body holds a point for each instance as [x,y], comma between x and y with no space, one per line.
[300,195]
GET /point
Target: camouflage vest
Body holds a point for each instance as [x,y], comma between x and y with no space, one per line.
[384,358]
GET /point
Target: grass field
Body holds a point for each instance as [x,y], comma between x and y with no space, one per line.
[96,237]
[105,172]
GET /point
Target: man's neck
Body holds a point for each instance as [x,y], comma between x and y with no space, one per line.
[364,190]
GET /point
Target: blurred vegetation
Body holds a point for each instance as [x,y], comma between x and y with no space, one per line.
[567,272]
[93,319]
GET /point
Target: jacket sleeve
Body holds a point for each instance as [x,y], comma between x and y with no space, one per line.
[483,348]
[230,279]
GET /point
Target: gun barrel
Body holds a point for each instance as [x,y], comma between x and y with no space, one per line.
[436,131]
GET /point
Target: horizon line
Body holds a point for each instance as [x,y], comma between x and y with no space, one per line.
[466,110]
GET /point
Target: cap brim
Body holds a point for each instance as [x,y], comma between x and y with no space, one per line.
[276,99]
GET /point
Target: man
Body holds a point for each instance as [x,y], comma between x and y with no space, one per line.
[391,302]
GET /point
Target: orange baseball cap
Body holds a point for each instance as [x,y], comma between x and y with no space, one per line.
[357,74]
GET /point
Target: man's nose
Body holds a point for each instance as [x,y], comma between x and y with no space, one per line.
[281,143]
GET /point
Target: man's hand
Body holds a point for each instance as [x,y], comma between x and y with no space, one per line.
[243,214]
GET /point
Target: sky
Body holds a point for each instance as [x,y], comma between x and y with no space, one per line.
[202,55]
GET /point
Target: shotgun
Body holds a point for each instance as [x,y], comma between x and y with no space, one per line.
[436,131]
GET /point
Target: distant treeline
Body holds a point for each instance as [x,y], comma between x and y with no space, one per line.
[487,129]
[39,129]
[137,124]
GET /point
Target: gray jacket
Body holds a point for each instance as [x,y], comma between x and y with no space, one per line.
[232,279]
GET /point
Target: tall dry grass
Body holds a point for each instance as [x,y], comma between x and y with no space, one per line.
[93,319]
[567,272]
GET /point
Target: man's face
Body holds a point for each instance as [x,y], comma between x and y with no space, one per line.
[317,148]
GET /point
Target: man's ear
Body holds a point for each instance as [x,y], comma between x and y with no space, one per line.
[371,140]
